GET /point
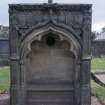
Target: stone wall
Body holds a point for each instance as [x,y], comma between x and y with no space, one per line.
[98,48]
[4,52]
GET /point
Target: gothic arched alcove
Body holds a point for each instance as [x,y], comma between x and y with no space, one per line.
[50,54]
[50,58]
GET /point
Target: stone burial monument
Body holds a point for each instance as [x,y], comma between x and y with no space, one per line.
[50,54]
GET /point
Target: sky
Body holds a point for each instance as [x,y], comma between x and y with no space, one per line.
[98,10]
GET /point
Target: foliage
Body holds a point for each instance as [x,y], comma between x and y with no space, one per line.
[103,29]
[93,35]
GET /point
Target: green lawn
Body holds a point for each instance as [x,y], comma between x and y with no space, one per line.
[4,79]
[98,64]
[98,91]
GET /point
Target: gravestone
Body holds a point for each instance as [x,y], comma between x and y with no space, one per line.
[4,52]
[50,54]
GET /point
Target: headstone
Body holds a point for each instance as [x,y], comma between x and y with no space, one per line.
[4,52]
[50,54]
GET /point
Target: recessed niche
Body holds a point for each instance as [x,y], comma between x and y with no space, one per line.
[50,41]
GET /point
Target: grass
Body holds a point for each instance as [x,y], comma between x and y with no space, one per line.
[4,79]
[98,64]
[98,91]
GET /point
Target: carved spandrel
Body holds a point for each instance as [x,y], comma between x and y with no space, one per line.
[32,19]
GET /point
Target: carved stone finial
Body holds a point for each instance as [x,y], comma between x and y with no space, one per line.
[50,1]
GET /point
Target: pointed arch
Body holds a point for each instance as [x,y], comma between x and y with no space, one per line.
[49,27]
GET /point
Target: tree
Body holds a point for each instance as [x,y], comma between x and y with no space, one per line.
[103,29]
[93,35]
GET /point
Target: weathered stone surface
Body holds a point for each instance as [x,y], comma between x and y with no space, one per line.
[50,54]
[4,52]
[98,49]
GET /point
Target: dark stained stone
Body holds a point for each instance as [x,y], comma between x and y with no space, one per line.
[50,54]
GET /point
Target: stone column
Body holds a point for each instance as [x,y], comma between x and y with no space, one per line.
[14,66]
[85,61]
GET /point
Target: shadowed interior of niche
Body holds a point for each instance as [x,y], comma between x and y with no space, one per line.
[50,40]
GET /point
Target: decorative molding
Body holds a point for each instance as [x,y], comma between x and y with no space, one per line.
[50,23]
[45,6]
[14,58]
